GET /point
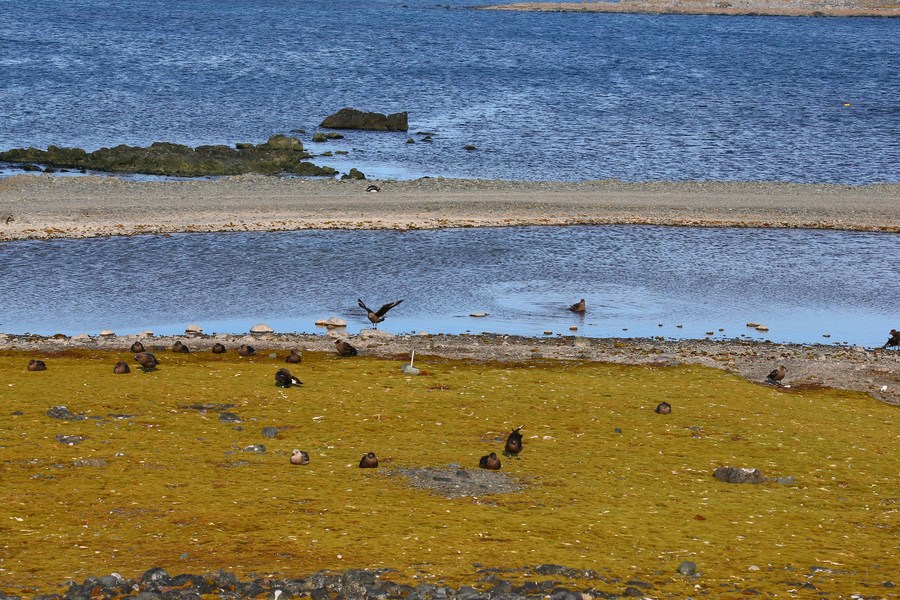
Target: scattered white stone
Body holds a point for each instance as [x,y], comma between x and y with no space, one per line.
[145,333]
[81,337]
[410,370]
[883,388]
[548,332]
[752,324]
[762,328]
[108,333]
[193,329]
[478,314]
[332,322]
[261,328]
[375,333]
[753,568]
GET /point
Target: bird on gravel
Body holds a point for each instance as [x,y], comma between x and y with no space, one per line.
[578,307]
[344,348]
[368,461]
[377,316]
[776,375]
[285,379]
[299,457]
[894,340]
[514,443]
[147,361]
[121,367]
[490,462]
[36,365]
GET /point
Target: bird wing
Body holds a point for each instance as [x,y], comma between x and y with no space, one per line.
[387,307]
[363,306]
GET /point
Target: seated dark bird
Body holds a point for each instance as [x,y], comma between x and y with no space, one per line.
[663,408]
[147,360]
[377,316]
[368,461]
[121,367]
[299,457]
[36,365]
[218,348]
[894,340]
[294,357]
[137,347]
[373,188]
[344,348]
[776,375]
[578,307]
[285,379]
[513,443]
[246,350]
[180,347]
[490,462]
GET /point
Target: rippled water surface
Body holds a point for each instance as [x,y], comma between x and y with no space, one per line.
[542,96]
[637,281]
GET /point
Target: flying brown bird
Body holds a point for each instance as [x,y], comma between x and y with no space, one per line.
[490,462]
[513,443]
[344,348]
[246,350]
[180,347]
[285,379]
[578,307]
[218,348]
[368,461]
[377,317]
[894,340]
[37,365]
[137,347]
[776,375]
[299,457]
[121,367]
[294,357]
[147,360]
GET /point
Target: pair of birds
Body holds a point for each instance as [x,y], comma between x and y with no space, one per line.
[512,449]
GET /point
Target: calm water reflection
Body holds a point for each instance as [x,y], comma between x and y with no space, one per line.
[801,283]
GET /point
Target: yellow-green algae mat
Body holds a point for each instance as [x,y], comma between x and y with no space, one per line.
[609,484]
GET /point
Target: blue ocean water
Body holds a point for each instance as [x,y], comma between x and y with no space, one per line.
[542,96]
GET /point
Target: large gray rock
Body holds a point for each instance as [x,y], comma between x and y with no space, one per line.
[738,475]
[350,118]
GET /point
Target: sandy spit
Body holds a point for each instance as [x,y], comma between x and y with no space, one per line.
[49,206]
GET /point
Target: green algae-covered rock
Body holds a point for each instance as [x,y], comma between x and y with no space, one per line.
[351,118]
[354,174]
[280,154]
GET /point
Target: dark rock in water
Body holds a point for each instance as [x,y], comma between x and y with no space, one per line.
[280,154]
[270,432]
[738,475]
[351,118]
[319,137]
[687,568]
[229,417]
[63,413]
[354,174]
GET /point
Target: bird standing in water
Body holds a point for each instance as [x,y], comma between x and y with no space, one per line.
[514,443]
[377,316]
[578,307]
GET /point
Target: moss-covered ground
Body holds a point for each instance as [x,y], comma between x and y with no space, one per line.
[610,485]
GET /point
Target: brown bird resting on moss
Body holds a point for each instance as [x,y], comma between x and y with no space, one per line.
[299,457]
[489,461]
[121,367]
[147,360]
[285,379]
[36,365]
[578,307]
[246,350]
[344,348]
[294,357]
[368,461]
[776,375]
[514,443]
[377,316]
[180,347]
[894,340]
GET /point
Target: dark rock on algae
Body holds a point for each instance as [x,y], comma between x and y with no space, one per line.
[270,432]
[279,154]
[63,413]
[229,417]
[738,475]
[351,118]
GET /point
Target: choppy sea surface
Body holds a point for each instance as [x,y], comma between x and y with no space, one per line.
[542,96]
[637,281]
